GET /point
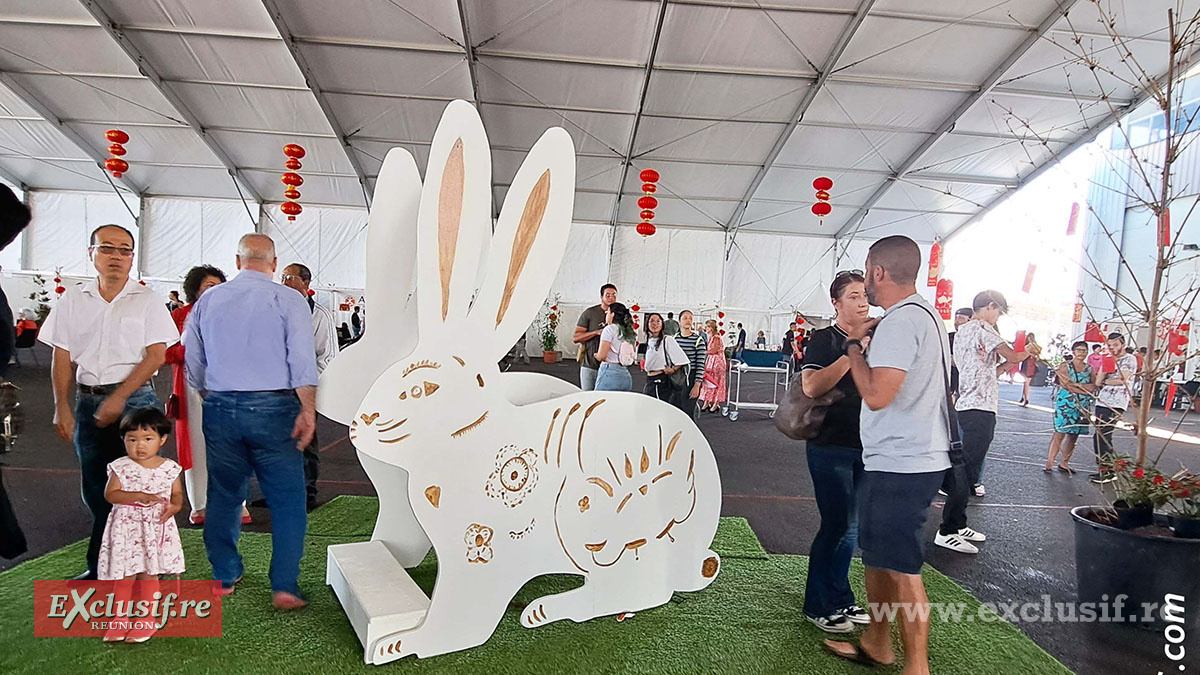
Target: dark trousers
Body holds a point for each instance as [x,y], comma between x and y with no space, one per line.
[836,472]
[659,386]
[96,447]
[250,432]
[977,428]
[1106,421]
[312,469]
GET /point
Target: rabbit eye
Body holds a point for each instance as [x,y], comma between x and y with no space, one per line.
[514,474]
[415,391]
[403,395]
[431,387]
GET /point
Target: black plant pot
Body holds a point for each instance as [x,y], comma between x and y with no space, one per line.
[1185,528]
[1139,569]
[1133,517]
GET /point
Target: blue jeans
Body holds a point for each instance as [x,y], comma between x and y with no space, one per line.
[96,447]
[587,378]
[613,377]
[250,432]
[836,471]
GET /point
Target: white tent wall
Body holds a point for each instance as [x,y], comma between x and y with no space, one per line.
[62,221]
[331,241]
[182,233]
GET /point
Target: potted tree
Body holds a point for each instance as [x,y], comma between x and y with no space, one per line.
[548,330]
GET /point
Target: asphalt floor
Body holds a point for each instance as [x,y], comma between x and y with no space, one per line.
[1025,514]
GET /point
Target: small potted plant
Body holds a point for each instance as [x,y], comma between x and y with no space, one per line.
[1136,491]
[40,298]
[548,330]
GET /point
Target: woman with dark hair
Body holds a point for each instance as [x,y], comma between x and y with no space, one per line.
[835,460]
[694,344]
[1072,406]
[663,359]
[618,344]
[185,404]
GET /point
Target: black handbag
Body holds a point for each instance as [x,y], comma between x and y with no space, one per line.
[800,416]
[679,378]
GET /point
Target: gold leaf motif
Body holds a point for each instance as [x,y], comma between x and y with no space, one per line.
[434,494]
[583,504]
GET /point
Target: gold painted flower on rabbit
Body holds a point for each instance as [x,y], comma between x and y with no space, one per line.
[515,475]
[479,543]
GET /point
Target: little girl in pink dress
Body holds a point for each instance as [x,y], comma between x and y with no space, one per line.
[141,540]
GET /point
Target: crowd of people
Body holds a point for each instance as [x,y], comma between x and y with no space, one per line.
[246,355]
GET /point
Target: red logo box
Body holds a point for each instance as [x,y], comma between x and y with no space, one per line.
[87,608]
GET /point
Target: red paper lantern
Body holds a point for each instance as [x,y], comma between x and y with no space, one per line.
[821,209]
[647,214]
[635,308]
[292,163]
[142,282]
[58,280]
[646,229]
[116,136]
[720,315]
[823,184]
[649,176]
[822,195]
[291,193]
[648,202]
[311,292]
[293,179]
[294,151]
[944,299]
[722,332]
[1077,315]
[935,263]
[799,321]
[292,209]
[116,149]
[116,166]
[60,290]
[553,308]
[649,188]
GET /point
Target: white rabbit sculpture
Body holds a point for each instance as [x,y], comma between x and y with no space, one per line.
[617,487]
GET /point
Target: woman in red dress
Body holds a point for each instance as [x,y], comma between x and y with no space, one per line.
[185,404]
[712,390]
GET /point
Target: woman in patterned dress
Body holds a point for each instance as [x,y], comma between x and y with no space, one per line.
[712,388]
[1072,406]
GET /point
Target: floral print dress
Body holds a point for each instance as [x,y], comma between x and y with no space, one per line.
[1072,411]
[713,388]
[135,542]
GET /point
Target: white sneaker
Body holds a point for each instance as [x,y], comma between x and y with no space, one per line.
[979,491]
[971,535]
[834,623]
[955,543]
[856,614]
[943,493]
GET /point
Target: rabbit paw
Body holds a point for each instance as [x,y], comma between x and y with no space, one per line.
[396,646]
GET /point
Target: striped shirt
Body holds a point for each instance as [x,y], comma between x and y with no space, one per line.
[695,347]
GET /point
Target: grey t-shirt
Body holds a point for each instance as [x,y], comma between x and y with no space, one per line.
[909,435]
[592,319]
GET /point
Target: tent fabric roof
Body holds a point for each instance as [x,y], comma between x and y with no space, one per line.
[923,112]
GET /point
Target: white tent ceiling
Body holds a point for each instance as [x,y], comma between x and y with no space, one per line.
[923,112]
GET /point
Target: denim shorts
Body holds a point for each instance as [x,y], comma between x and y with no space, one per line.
[892,510]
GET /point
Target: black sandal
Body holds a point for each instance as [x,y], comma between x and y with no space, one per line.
[860,655]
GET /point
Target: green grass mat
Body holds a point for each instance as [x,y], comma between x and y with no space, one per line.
[354,516]
[748,621]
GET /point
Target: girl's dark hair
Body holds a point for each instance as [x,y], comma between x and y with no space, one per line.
[623,320]
[1077,344]
[843,279]
[651,336]
[145,418]
[195,277]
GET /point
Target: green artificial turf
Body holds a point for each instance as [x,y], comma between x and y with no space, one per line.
[748,621]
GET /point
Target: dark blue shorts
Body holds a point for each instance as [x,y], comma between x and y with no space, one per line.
[892,510]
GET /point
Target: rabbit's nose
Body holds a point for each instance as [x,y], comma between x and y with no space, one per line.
[368,419]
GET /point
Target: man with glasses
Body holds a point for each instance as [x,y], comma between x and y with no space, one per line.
[116,332]
[299,277]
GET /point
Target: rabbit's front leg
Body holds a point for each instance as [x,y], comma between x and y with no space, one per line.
[463,613]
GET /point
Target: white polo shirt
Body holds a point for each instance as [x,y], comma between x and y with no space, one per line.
[108,339]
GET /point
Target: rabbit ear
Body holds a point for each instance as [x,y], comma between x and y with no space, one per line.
[454,221]
[529,241]
[391,254]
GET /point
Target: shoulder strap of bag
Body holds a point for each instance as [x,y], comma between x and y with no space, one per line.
[951,413]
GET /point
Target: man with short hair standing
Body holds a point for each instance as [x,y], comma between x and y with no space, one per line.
[741,342]
[587,333]
[906,441]
[299,277]
[251,355]
[116,332]
[1116,383]
[671,326]
[981,355]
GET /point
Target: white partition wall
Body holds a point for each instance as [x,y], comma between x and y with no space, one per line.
[62,221]
[182,233]
[332,242]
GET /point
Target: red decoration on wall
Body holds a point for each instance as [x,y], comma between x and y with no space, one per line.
[116,136]
[647,202]
[944,298]
[935,262]
[311,292]
[1029,277]
[635,309]
[60,290]
[1071,222]
[799,321]
[720,315]
[823,184]
[649,176]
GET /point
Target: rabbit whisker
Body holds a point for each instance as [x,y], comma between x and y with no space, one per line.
[395,440]
[390,428]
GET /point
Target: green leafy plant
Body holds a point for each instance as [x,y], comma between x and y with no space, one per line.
[548,325]
[1136,486]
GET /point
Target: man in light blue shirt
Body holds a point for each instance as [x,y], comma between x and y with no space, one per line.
[250,354]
